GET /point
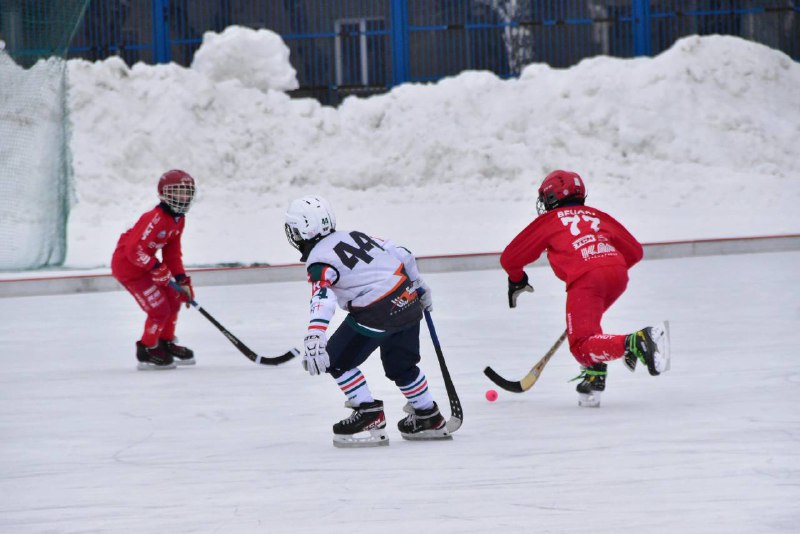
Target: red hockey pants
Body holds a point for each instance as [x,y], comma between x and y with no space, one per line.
[588,298]
[160,303]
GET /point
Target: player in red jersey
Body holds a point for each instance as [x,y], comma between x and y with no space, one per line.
[136,267]
[591,252]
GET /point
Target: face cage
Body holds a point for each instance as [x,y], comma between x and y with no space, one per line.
[540,209]
[546,203]
[178,197]
[550,202]
[293,236]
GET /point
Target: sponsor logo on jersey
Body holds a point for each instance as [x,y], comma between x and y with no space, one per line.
[408,296]
[142,256]
[150,226]
[600,249]
[585,240]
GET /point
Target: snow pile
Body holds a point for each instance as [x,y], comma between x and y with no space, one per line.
[709,125]
[256,58]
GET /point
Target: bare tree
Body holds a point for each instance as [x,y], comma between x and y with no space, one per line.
[518,40]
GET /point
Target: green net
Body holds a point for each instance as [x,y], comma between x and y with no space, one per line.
[34,152]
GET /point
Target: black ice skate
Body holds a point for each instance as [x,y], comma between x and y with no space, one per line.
[366,426]
[630,360]
[423,424]
[592,385]
[650,346]
[182,355]
[153,358]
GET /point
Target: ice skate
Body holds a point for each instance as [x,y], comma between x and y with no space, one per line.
[630,360]
[153,358]
[592,385]
[650,346]
[423,424]
[180,354]
[366,426]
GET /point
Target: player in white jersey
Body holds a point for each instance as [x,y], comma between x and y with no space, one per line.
[379,285]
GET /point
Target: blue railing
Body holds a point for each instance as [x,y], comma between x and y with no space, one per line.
[341,47]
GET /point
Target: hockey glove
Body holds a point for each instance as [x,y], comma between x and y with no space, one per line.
[316,360]
[187,291]
[425,295]
[160,274]
[517,288]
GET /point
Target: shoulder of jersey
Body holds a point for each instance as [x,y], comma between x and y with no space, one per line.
[323,248]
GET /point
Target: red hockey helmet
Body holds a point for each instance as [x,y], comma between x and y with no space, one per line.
[176,189]
[560,188]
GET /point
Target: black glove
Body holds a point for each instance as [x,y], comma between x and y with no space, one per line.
[515,288]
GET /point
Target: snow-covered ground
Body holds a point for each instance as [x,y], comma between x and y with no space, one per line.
[699,142]
[91,445]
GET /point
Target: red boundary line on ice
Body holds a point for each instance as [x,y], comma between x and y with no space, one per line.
[443,256]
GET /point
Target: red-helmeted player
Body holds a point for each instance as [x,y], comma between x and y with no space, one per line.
[136,267]
[591,252]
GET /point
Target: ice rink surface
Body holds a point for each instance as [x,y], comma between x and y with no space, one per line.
[88,444]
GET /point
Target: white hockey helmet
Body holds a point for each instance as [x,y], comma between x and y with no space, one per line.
[308,219]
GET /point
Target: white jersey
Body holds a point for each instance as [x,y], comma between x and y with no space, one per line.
[371,278]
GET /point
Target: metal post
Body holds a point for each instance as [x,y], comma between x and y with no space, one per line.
[642,36]
[161,48]
[399,29]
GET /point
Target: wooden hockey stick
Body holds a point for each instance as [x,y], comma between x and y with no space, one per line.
[529,379]
[244,349]
[456,412]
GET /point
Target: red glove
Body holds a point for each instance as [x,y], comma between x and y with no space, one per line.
[187,294]
[160,274]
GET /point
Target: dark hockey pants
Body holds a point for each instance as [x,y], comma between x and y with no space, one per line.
[399,351]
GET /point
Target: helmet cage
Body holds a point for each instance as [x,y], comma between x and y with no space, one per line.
[294,237]
[546,202]
[176,189]
[178,197]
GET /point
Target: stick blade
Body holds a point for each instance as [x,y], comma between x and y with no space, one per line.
[277,360]
[454,423]
[508,385]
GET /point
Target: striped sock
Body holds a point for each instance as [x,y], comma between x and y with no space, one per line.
[417,392]
[354,385]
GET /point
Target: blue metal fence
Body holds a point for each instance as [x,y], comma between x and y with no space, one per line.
[341,47]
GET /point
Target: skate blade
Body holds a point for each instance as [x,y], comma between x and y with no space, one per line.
[144,366]
[426,435]
[372,438]
[589,400]
[662,358]
[188,361]
[667,348]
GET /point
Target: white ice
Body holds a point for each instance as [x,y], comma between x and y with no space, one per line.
[89,444]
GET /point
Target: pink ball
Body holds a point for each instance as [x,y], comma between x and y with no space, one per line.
[491,395]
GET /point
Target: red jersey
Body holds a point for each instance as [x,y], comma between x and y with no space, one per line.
[158,229]
[576,238]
